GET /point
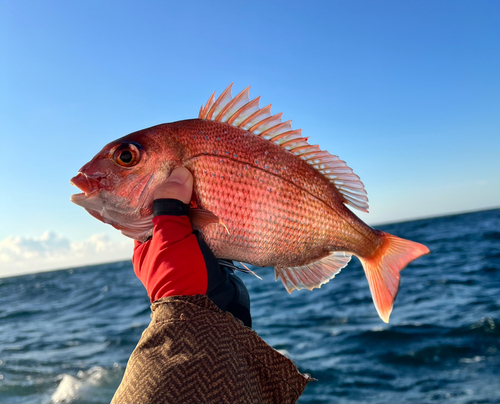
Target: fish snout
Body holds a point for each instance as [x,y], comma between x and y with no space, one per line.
[88,185]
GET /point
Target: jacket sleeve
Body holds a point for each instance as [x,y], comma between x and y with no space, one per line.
[192,352]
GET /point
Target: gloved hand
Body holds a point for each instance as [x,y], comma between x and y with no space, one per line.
[177,261]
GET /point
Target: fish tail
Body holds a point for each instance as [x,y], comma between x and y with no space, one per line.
[382,270]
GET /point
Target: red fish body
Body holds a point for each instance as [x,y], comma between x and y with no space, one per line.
[262,195]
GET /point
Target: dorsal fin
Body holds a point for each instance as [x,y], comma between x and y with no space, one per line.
[245,114]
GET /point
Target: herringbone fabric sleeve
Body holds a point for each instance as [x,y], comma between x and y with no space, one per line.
[192,352]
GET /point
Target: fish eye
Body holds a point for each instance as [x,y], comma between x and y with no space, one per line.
[127,155]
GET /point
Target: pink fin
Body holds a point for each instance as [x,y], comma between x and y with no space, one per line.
[245,114]
[201,217]
[312,275]
[208,105]
[234,105]
[256,117]
[382,270]
[246,110]
[220,103]
[248,270]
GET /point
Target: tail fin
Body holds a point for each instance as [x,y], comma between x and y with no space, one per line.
[382,270]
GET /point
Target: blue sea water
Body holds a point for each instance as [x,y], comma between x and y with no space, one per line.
[65,336]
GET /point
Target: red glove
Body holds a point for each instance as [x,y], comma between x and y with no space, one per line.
[171,262]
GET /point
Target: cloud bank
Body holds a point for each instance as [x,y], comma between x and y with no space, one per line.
[21,255]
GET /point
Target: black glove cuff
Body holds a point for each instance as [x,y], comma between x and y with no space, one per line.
[225,289]
[171,207]
[240,305]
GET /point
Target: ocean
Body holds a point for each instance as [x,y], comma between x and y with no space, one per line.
[65,336]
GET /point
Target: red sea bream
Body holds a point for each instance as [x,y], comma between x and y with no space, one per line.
[262,195]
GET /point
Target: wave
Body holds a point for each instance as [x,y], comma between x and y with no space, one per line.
[403,332]
[492,235]
[486,327]
[431,345]
[92,386]
[433,355]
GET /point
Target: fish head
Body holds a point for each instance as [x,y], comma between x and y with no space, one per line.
[117,184]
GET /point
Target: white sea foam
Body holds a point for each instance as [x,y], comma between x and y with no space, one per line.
[91,386]
[284,352]
[473,359]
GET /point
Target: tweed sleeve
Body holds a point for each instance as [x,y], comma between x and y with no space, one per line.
[192,352]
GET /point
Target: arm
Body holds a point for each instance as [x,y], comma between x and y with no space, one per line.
[193,351]
[177,262]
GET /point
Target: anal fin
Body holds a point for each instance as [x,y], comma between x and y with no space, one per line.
[312,275]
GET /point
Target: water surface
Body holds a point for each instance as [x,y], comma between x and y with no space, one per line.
[65,336]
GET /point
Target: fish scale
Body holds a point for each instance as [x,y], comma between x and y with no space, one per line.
[262,195]
[287,211]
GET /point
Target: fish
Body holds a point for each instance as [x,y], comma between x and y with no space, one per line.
[262,194]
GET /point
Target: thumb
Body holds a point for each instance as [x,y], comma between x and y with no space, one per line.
[178,186]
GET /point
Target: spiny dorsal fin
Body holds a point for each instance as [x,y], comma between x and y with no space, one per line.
[245,114]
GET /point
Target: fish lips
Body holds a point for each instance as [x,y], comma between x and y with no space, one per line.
[89,199]
[89,186]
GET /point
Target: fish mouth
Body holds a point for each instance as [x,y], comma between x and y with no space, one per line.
[89,186]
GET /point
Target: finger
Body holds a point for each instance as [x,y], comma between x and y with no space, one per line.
[178,186]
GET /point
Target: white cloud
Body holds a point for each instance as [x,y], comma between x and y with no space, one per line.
[21,254]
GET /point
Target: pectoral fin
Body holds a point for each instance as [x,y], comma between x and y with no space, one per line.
[201,217]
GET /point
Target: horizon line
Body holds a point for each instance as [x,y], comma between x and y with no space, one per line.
[129,260]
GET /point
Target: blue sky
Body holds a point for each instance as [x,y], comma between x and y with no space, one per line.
[406,92]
